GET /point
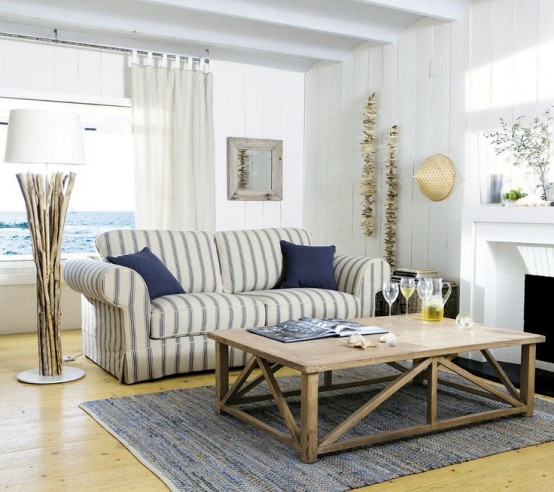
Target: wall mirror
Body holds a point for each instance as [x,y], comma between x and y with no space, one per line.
[254,169]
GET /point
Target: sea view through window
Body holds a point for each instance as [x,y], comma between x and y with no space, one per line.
[81,228]
[103,196]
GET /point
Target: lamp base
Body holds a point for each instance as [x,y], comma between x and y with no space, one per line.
[33,376]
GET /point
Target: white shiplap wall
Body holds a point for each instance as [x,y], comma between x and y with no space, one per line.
[420,105]
[61,69]
[512,47]
[496,61]
[256,102]
[248,102]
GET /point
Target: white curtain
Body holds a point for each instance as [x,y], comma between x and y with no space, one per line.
[174,143]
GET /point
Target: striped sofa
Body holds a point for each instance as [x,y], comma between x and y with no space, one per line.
[230,281]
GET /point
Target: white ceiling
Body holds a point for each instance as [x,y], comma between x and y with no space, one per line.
[288,34]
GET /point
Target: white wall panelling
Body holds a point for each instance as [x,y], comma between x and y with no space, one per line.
[18,305]
[458,144]
[495,61]
[511,74]
[257,102]
[421,106]
[47,68]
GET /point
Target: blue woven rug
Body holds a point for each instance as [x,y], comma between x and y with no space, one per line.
[178,436]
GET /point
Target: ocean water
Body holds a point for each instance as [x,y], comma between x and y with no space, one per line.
[81,229]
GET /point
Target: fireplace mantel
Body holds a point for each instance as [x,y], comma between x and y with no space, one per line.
[492,236]
[489,224]
[512,214]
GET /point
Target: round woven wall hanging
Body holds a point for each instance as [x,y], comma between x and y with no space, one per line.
[435,178]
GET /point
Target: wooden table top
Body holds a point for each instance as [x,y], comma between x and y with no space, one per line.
[415,339]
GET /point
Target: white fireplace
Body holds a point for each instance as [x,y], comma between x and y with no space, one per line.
[499,246]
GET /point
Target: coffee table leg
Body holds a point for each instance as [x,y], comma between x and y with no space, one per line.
[221,373]
[328,378]
[432,375]
[308,426]
[527,375]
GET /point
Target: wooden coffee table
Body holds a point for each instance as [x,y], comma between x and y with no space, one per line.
[428,345]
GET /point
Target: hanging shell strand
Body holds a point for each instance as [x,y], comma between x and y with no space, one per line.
[368,181]
[391,206]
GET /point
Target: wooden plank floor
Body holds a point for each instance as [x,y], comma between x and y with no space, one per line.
[48,443]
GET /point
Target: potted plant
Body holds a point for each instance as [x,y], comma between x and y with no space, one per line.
[528,144]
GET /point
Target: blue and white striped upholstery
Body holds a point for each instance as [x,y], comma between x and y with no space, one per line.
[362,277]
[190,256]
[136,339]
[122,304]
[161,358]
[284,304]
[194,314]
[252,260]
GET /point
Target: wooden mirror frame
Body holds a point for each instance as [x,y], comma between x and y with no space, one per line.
[234,145]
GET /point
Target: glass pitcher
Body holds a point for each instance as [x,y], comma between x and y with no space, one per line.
[433,305]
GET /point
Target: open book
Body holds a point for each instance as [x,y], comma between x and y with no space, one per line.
[296,330]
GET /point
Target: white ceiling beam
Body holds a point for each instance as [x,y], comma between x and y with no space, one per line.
[219,53]
[186,29]
[282,13]
[448,10]
[292,32]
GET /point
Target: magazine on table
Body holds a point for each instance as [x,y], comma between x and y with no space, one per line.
[296,330]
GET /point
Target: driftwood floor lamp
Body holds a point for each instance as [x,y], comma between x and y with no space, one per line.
[46,137]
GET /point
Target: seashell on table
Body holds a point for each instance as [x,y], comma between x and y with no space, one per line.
[357,340]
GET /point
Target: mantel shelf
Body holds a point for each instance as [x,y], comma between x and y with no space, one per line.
[513,214]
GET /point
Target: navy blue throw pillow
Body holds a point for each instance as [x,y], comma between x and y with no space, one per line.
[159,280]
[308,266]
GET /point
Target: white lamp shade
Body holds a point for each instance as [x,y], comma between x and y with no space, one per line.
[44,136]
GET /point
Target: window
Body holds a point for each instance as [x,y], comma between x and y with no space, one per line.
[103,196]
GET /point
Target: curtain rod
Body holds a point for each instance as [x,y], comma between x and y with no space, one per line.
[118,49]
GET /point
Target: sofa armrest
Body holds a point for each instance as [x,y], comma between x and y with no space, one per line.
[362,277]
[106,287]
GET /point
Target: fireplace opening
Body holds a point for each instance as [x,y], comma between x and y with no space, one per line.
[537,317]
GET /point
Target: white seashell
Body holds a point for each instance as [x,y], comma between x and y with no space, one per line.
[389,339]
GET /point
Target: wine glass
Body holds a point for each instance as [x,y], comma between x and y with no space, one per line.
[390,293]
[424,289]
[407,287]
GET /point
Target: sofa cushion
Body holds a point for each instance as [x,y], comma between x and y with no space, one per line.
[252,260]
[158,279]
[308,266]
[193,314]
[190,256]
[284,304]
